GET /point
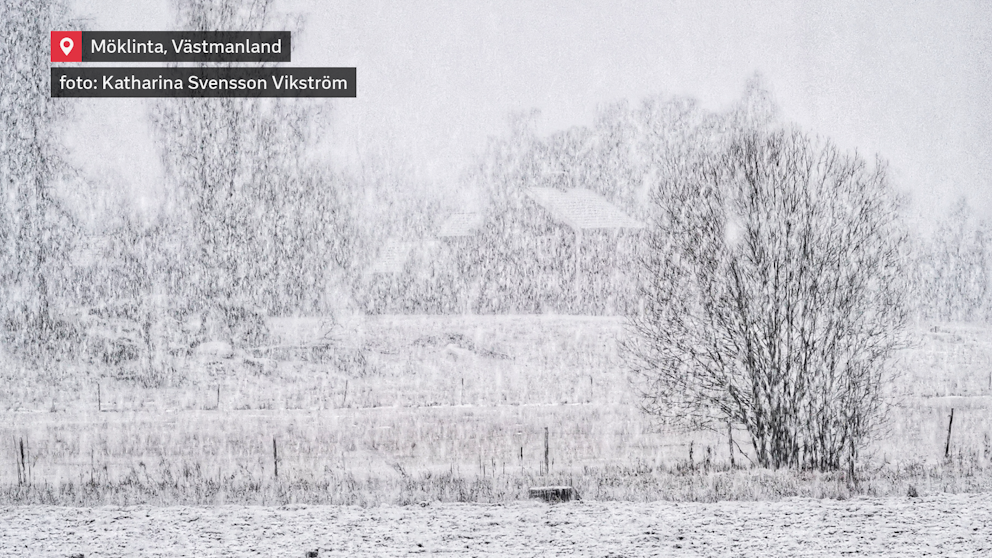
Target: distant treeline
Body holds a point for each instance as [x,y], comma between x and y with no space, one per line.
[252,218]
[951,269]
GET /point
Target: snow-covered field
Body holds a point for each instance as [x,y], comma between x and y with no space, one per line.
[941,525]
[471,396]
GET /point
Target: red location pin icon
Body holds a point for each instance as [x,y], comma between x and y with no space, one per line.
[67,46]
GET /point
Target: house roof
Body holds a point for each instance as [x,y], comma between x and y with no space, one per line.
[460,224]
[98,250]
[392,257]
[582,209]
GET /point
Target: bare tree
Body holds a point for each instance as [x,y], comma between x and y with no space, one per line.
[265,222]
[951,270]
[35,230]
[773,297]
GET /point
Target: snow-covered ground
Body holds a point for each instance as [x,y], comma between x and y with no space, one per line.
[469,394]
[939,525]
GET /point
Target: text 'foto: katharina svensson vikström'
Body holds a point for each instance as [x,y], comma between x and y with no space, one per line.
[203,82]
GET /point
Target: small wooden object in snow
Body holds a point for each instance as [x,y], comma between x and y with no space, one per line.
[555,494]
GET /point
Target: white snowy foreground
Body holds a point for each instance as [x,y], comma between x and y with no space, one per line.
[948,525]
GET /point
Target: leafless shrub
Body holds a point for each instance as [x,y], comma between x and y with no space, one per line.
[773,298]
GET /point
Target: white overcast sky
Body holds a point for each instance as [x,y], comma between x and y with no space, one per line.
[911,81]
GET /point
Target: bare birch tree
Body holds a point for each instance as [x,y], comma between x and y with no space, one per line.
[773,298]
[266,223]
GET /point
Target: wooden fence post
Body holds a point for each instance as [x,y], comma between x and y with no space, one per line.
[23,466]
[947,446]
[730,437]
[18,460]
[547,468]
